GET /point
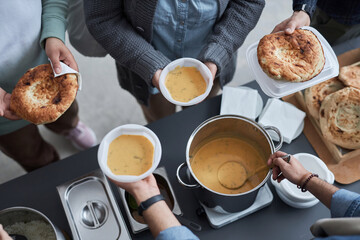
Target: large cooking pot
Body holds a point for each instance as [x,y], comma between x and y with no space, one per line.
[227,125]
[12,215]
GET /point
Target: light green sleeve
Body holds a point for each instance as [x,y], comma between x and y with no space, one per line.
[53,20]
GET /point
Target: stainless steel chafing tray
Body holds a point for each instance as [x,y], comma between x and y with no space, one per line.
[91,209]
[164,185]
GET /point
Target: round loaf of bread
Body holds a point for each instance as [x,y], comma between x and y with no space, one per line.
[350,75]
[316,94]
[296,58]
[40,98]
[340,118]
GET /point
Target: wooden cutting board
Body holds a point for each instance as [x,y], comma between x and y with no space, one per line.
[345,166]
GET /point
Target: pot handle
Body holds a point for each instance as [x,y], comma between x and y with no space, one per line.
[181,181]
[277,131]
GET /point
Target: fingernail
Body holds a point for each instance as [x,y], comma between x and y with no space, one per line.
[57,70]
[288,30]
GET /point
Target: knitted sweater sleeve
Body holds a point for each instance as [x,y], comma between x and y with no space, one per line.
[230,31]
[108,25]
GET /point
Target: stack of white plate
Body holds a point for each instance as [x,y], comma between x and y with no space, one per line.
[291,195]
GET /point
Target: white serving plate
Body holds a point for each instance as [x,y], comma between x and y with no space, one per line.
[278,88]
[186,62]
[128,129]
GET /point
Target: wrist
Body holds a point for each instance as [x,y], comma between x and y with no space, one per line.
[303,178]
[156,78]
[305,10]
[143,206]
[305,182]
[142,195]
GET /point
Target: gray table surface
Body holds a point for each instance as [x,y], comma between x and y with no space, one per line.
[277,221]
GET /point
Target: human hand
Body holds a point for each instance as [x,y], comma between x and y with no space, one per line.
[156,78]
[292,171]
[212,67]
[5,106]
[297,20]
[57,51]
[140,190]
[3,234]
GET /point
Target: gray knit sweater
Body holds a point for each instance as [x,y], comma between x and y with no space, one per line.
[124,29]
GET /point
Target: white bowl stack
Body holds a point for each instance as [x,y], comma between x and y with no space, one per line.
[291,195]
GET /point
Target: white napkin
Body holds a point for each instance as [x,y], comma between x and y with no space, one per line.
[241,101]
[66,69]
[285,116]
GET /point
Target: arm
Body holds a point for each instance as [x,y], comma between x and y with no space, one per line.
[3,234]
[5,106]
[298,18]
[109,26]
[162,222]
[52,38]
[297,174]
[229,33]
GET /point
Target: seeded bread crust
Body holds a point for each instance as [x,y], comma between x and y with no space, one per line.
[40,98]
[317,93]
[350,75]
[340,118]
[298,57]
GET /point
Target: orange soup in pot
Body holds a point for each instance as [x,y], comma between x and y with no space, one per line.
[130,155]
[229,165]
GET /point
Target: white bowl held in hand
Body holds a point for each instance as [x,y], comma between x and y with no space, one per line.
[128,129]
[186,62]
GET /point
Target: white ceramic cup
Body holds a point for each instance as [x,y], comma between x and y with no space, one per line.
[186,62]
[128,129]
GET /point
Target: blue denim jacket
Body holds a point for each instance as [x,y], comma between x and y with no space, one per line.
[343,204]
[344,11]
[181,28]
[174,233]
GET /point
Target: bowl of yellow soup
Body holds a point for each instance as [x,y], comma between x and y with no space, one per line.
[129,153]
[185,82]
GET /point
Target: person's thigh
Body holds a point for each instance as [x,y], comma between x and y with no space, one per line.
[352,32]
[328,27]
[157,108]
[67,121]
[28,148]
[215,89]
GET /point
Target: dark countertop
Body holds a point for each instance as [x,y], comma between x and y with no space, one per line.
[277,221]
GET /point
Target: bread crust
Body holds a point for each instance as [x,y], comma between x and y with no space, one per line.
[40,98]
[317,93]
[350,75]
[298,57]
[340,118]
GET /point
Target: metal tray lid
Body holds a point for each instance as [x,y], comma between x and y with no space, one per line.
[91,208]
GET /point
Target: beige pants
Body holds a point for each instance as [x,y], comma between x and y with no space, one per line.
[159,107]
[333,31]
